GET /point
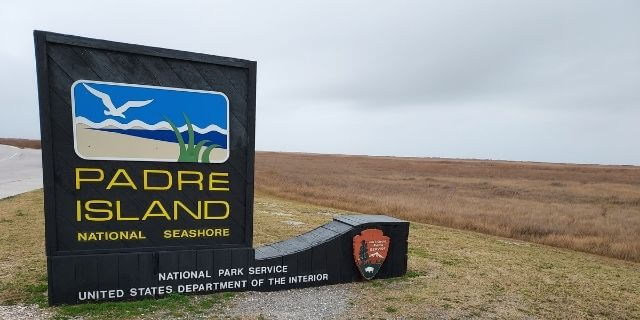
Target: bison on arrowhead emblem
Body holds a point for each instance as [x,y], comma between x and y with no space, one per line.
[370,249]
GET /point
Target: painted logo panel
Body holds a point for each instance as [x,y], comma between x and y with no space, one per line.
[370,249]
[118,121]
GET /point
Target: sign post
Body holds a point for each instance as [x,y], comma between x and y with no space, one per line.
[148,158]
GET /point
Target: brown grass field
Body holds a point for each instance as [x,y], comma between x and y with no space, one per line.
[21,143]
[589,208]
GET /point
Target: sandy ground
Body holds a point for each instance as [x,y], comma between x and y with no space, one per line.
[20,170]
[101,144]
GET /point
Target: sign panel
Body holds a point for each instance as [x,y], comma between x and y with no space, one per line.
[164,124]
[144,148]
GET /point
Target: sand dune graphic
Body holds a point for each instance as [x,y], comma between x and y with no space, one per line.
[92,143]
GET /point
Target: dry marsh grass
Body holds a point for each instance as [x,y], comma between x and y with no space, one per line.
[21,143]
[588,208]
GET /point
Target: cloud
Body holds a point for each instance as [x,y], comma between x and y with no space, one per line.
[527,80]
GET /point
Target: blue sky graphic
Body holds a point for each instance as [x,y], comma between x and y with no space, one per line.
[202,108]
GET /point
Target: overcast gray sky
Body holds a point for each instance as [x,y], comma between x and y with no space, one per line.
[555,81]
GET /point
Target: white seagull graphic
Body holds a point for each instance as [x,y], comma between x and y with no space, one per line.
[111,109]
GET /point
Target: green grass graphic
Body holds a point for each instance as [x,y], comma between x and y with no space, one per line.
[207,152]
[188,151]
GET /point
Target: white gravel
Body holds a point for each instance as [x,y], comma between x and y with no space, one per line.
[19,312]
[328,302]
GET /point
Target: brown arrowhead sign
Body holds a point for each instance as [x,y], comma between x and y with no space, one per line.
[370,249]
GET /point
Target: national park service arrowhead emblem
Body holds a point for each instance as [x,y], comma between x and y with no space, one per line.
[370,249]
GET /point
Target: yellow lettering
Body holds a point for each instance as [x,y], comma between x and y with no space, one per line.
[146,182]
[182,181]
[163,212]
[213,181]
[206,210]
[119,214]
[114,182]
[178,203]
[92,210]
[79,180]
